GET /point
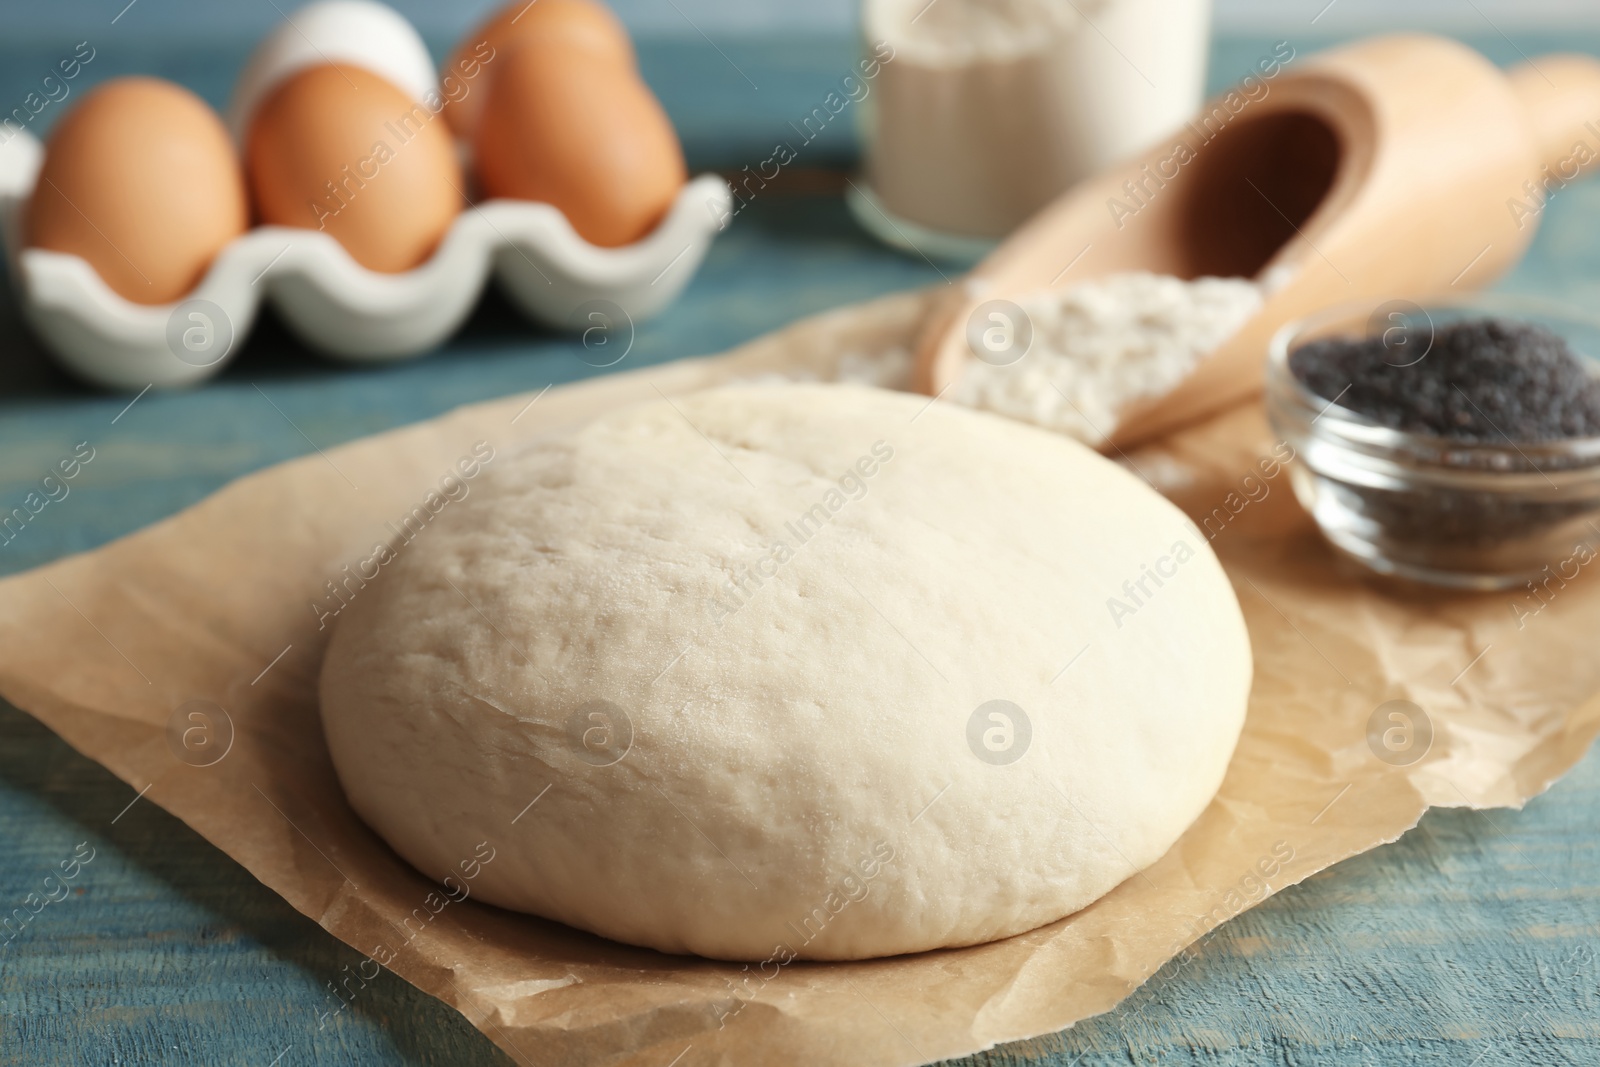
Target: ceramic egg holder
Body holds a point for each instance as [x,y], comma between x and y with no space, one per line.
[327,298]
[335,304]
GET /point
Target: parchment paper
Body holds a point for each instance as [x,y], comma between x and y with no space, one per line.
[111,649]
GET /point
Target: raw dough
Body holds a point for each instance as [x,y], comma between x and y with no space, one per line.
[791,608]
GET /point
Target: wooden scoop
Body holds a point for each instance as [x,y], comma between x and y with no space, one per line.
[1390,168]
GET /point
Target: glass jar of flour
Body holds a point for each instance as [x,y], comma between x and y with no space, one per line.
[984,110]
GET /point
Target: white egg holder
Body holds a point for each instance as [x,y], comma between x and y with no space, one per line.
[327,298]
[331,301]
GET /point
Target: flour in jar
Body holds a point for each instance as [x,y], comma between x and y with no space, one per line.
[988,109]
[1101,346]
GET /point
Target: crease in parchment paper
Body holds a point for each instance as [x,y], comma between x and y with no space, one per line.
[216,605]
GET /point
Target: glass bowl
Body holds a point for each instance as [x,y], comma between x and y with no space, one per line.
[1468,515]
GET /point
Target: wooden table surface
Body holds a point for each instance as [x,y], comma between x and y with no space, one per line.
[1474,941]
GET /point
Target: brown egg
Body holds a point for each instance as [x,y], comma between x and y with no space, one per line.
[585,24]
[140,180]
[342,150]
[587,136]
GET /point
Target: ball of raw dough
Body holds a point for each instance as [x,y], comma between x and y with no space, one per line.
[793,671]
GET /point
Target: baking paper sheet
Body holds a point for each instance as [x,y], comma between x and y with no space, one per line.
[184,658]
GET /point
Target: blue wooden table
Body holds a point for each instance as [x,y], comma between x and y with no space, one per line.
[1474,941]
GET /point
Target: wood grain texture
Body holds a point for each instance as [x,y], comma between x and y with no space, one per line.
[1474,941]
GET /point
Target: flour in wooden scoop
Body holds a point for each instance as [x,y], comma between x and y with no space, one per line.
[1099,347]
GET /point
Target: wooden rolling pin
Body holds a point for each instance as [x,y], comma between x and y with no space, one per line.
[1398,167]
